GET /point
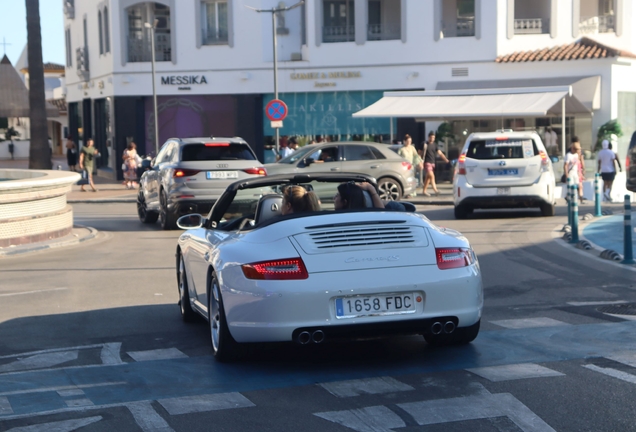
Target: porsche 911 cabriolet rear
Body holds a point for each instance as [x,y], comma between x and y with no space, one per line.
[359,280]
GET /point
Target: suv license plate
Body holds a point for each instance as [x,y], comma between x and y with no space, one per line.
[222,175]
[503,191]
[388,304]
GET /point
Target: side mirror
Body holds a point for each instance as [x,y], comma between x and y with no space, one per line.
[191,221]
[152,162]
[309,161]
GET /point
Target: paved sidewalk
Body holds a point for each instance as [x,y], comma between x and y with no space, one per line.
[608,233]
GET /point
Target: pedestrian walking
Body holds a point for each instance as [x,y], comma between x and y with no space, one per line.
[11,149]
[71,155]
[431,152]
[607,161]
[408,152]
[572,166]
[129,167]
[88,154]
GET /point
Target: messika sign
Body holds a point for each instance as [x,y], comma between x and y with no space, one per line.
[183,80]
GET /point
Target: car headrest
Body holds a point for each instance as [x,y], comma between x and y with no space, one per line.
[268,207]
[368,202]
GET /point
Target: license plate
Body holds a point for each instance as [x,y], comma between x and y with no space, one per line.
[503,172]
[385,304]
[222,174]
[503,191]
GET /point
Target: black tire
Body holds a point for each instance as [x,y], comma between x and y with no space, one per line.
[187,313]
[389,189]
[462,212]
[167,220]
[547,209]
[461,336]
[224,347]
[145,216]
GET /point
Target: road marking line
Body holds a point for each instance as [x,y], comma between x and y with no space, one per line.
[110,354]
[614,373]
[627,358]
[70,392]
[475,408]
[79,402]
[40,361]
[357,387]
[147,418]
[597,303]
[51,351]
[59,426]
[158,354]
[514,372]
[528,323]
[5,406]
[32,292]
[203,403]
[369,419]
[57,389]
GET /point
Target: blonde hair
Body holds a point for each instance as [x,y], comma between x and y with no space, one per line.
[301,200]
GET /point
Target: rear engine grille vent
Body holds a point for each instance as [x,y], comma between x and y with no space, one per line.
[366,236]
[459,72]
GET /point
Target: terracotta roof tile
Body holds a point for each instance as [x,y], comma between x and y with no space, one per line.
[584,48]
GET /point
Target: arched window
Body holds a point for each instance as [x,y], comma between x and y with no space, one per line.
[106,31]
[101,37]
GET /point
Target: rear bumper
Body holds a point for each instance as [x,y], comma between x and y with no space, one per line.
[534,195]
[182,207]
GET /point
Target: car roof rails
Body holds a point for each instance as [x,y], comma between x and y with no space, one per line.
[504,130]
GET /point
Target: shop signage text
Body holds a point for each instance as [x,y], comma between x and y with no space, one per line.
[325,75]
[183,80]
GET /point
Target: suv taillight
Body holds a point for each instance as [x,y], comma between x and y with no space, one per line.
[545,162]
[461,167]
[284,269]
[185,172]
[407,166]
[450,258]
[256,171]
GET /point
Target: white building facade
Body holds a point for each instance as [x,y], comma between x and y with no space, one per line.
[214,65]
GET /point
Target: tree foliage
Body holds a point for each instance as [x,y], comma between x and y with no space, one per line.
[605,132]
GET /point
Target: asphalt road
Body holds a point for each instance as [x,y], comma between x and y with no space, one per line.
[91,339]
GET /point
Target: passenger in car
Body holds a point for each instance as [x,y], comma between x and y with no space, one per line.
[297,199]
[350,196]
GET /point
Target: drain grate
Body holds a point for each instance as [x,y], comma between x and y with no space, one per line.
[619,309]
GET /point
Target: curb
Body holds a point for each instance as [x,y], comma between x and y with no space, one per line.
[102,201]
[429,202]
[53,245]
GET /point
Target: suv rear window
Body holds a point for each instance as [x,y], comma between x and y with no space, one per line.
[216,151]
[502,149]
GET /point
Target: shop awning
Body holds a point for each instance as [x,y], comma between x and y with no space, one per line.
[477,103]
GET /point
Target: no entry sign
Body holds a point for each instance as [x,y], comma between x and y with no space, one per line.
[276,110]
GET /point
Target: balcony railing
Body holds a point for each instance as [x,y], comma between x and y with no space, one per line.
[384,31]
[139,48]
[215,38]
[532,25]
[81,62]
[338,34]
[597,24]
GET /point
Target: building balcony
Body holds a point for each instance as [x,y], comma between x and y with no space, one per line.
[384,31]
[332,34]
[532,25]
[139,48]
[81,62]
[597,24]
[69,9]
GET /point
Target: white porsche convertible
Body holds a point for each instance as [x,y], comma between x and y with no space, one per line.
[258,276]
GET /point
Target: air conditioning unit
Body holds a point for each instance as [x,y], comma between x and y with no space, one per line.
[459,72]
[297,56]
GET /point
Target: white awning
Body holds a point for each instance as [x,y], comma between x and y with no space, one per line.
[476,103]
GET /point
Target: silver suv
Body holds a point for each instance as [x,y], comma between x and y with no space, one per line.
[188,175]
[395,176]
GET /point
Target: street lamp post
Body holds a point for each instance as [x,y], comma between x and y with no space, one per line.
[274,11]
[154,89]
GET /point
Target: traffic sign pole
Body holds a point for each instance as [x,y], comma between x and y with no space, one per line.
[276,76]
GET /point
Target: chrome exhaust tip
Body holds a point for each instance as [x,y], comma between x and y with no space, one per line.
[436,328]
[304,338]
[449,327]
[318,336]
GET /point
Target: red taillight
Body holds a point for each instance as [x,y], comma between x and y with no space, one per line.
[503,138]
[544,157]
[461,168]
[450,258]
[219,144]
[256,171]
[185,172]
[285,269]
[626,163]
[407,166]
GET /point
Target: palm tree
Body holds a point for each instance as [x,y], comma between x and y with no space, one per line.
[39,153]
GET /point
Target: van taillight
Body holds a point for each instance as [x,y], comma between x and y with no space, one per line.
[461,168]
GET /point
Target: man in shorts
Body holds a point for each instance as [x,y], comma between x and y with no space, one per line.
[430,154]
[606,166]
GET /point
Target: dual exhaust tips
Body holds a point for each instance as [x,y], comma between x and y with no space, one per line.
[437,328]
[304,337]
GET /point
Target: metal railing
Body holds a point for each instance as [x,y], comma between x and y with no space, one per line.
[597,24]
[215,37]
[384,31]
[81,62]
[338,34]
[139,48]
[532,25]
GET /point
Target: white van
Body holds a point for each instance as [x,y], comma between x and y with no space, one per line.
[503,169]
